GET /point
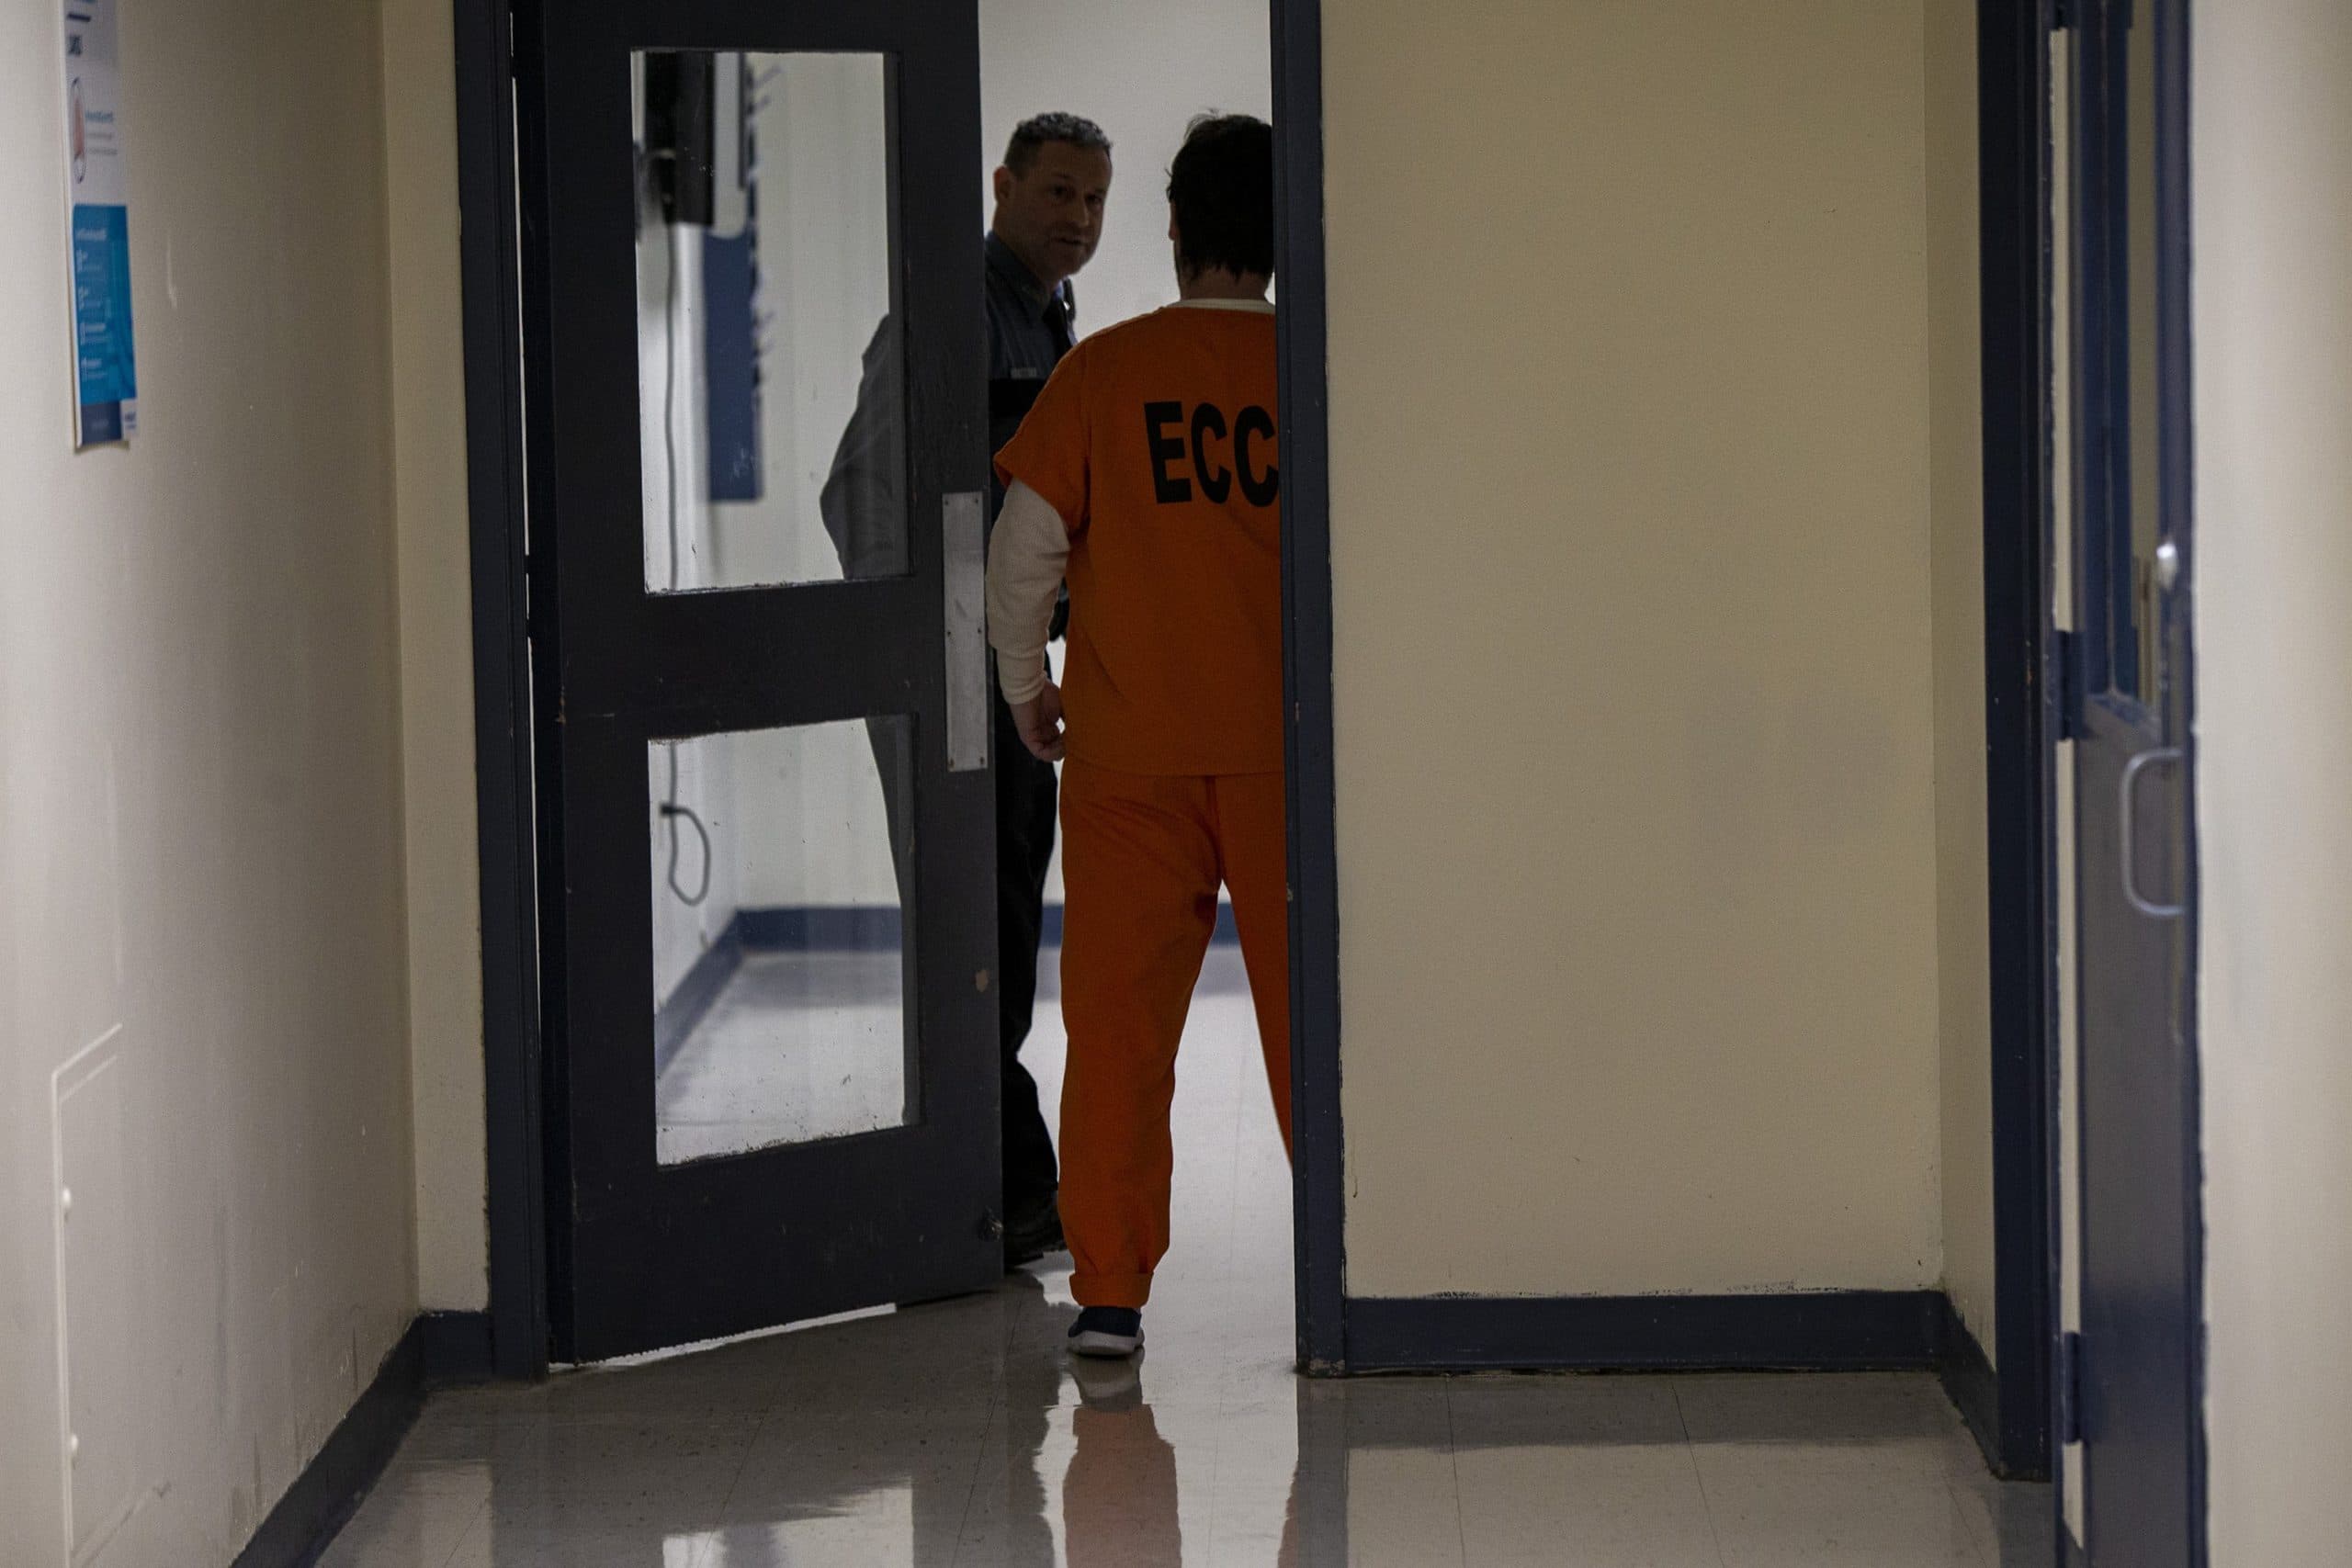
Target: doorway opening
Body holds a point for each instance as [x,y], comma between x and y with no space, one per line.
[786,967]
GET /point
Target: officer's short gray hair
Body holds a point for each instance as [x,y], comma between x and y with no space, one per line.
[1020,152]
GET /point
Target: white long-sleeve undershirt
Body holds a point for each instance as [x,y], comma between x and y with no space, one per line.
[1028,555]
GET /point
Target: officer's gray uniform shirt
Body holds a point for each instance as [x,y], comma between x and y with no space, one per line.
[863,502]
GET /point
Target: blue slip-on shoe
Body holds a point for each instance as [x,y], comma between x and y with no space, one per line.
[1106,1331]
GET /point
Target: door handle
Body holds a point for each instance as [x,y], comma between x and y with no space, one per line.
[2129,791]
[964,535]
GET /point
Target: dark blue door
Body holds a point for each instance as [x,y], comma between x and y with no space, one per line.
[2140,1373]
[768,825]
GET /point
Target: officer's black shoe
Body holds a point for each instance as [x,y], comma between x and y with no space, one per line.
[1033,1232]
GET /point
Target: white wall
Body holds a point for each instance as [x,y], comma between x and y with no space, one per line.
[673,476]
[695,912]
[201,856]
[1633,646]
[810,826]
[824,250]
[2272,229]
[1142,71]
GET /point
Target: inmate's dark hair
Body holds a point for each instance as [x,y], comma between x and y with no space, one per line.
[1020,152]
[1222,189]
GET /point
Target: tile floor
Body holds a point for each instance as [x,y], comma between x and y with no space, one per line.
[957,1434]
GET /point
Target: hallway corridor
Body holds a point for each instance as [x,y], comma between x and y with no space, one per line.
[958,1433]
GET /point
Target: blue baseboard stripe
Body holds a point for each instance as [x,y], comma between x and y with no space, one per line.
[811,927]
[875,928]
[1814,1331]
[690,1000]
[1823,1331]
[456,1348]
[1226,933]
[1973,1388]
[439,1349]
[821,928]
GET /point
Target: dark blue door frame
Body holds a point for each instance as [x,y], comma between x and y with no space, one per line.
[1318,1184]
[2012,1412]
[506,833]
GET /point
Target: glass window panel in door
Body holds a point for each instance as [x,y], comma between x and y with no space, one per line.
[782,976]
[770,382]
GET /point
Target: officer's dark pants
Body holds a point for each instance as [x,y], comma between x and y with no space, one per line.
[1027,808]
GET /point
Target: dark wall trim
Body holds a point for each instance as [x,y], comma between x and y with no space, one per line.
[439,1349]
[458,1350]
[2013,88]
[677,1016]
[847,928]
[821,928]
[1971,1384]
[1814,1331]
[502,691]
[1317,1194]
[1224,934]
[1824,1331]
[328,1492]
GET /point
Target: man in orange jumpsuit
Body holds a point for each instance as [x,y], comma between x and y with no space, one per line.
[1146,475]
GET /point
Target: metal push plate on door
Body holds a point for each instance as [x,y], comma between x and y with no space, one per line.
[963,526]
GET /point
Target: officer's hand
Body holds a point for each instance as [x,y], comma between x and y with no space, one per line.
[1040,723]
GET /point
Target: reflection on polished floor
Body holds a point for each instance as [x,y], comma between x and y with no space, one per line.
[959,1434]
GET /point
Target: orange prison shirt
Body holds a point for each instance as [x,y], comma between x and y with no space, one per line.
[1155,440]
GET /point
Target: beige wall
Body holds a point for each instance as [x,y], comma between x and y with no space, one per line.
[1635,664]
[436,653]
[201,858]
[2272,176]
[1956,556]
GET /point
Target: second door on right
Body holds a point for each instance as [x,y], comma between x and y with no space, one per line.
[2139,1377]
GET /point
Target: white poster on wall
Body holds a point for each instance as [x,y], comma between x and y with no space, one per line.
[106,371]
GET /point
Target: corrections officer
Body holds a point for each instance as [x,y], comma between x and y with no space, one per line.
[1047,221]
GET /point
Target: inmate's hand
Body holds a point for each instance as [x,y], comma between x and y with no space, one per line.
[1040,722]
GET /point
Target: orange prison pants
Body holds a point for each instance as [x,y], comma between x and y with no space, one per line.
[1142,858]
